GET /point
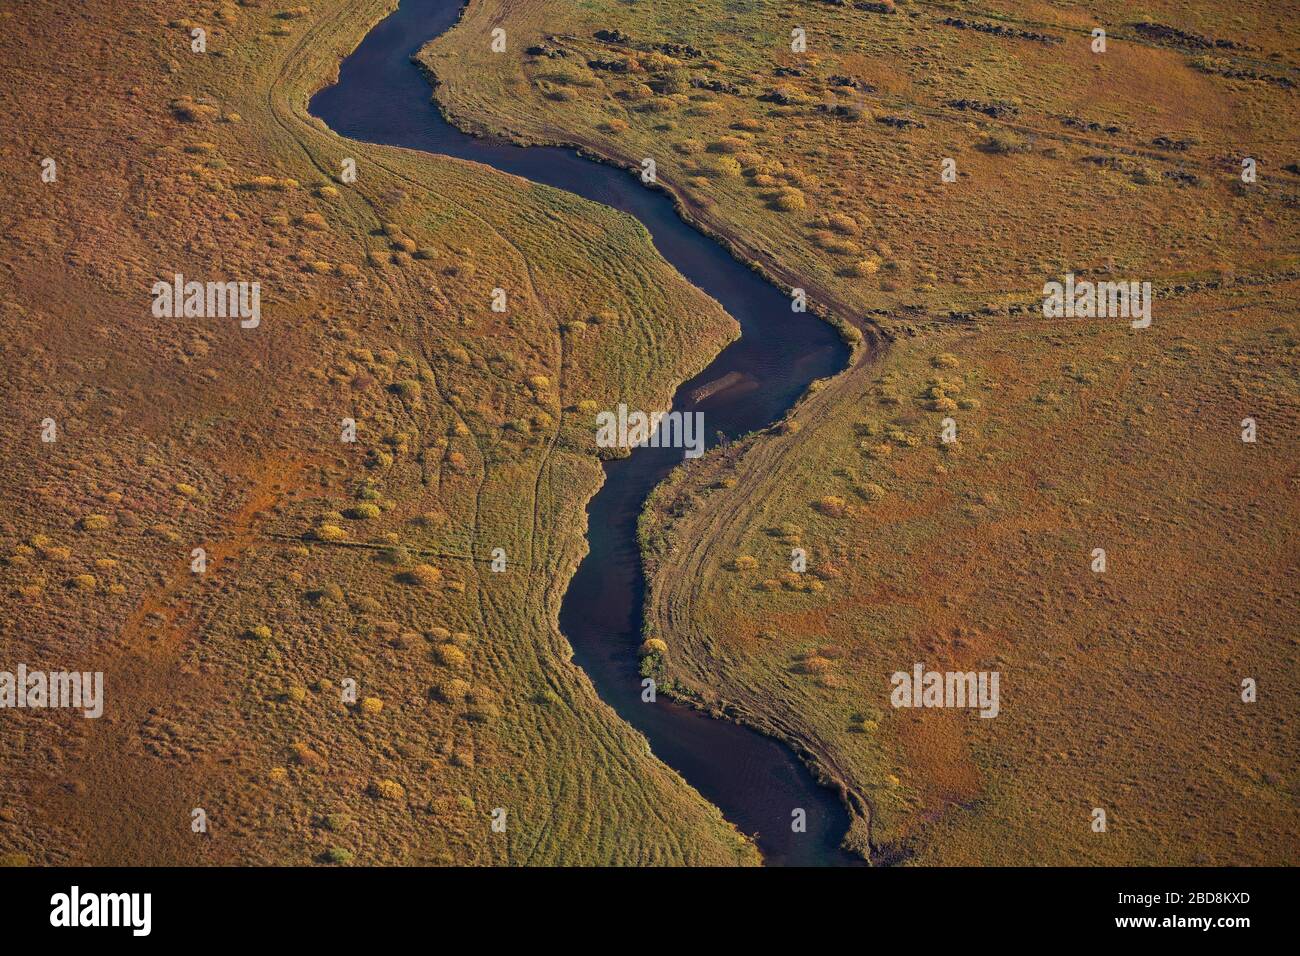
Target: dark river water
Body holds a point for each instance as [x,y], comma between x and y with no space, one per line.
[382,97]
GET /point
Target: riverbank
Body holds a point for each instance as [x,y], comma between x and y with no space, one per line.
[833,159]
[760,309]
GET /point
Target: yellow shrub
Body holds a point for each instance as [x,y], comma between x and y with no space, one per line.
[387,790]
[423,575]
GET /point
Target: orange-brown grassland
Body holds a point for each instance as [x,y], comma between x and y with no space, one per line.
[1092,515]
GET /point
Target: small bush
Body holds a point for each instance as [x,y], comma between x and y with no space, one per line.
[789,200]
[188,111]
[728,144]
[813,664]
[430,519]
[452,691]
[482,713]
[654,645]
[844,225]
[865,267]
[449,655]
[832,506]
[873,492]
[387,790]
[407,388]
[1002,144]
[304,756]
[327,593]
[423,575]
[723,166]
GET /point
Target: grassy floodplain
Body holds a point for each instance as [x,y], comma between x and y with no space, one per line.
[1121,689]
[327,561]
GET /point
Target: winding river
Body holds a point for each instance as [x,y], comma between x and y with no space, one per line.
[382,97]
